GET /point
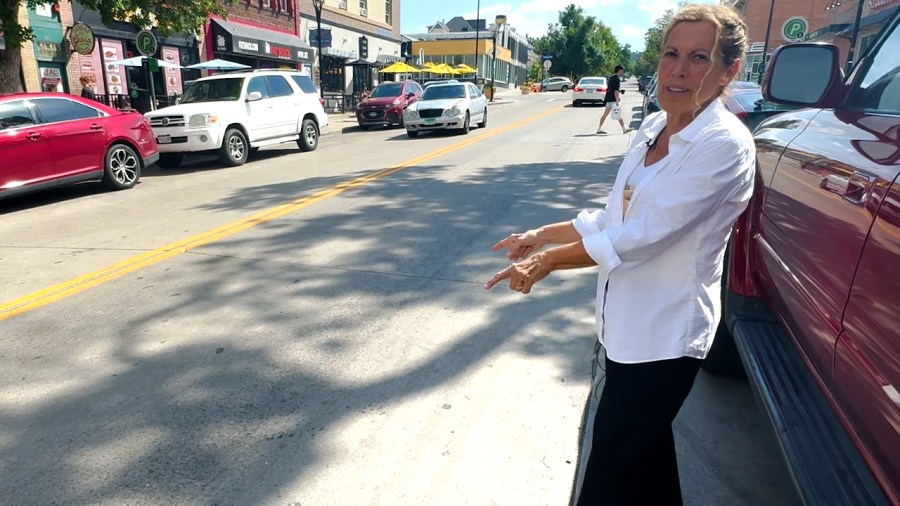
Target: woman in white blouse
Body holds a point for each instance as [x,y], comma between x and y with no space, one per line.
[659,245]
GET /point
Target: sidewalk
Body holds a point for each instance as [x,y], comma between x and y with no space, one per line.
[340,123]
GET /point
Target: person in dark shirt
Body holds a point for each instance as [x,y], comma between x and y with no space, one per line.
[86,90]
[614,99]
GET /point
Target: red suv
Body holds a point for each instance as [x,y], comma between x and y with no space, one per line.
[813,299]
[384,106]
[52,139]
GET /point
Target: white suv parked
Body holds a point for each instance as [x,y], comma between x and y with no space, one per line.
[239,112]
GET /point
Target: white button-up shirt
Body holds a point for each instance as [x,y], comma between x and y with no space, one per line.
[659,288]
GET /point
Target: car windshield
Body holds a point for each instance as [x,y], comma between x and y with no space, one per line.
[387,90]
[444,92]
[213,90]
[598,81]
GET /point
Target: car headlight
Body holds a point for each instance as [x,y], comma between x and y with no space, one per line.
[202,120]
[411,113]
[453,111]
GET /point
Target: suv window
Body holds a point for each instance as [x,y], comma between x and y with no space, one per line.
[213,90]
[258,84]
[880,88]
[278,87]
[473,90]
[14,115]
[54,110]
[415,88]
[305,84]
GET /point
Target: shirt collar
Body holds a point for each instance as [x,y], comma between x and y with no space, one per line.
[651,130]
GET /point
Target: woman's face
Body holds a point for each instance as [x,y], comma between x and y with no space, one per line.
[688,75]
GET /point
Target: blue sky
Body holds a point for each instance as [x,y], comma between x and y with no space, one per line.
[628,19]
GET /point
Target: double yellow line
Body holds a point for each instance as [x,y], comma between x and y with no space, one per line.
[92,279]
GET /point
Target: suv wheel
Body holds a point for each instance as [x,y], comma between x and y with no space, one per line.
[564,88]
[122,168]
[466,125]
[309,136]
[235,149]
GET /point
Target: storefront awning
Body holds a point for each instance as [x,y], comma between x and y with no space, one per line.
[242,39]
[387,59]
[825,32]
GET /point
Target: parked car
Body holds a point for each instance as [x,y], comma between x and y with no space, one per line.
[385,105]
[813,301]
[643,81]
[749,105]
[589,89]
[51,139]
[562,84]
[651,102]
[234,113]
[447,107]
[743,85]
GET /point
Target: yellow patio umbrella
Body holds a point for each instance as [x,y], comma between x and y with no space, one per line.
[462,68]
[399,68]
[443,68]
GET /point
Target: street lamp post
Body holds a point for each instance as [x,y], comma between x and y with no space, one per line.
[477,33]
[317,5]
[762,65]
[499,21]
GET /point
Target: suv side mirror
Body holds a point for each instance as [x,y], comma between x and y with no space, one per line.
[805,74]
[253,96]
[410,95]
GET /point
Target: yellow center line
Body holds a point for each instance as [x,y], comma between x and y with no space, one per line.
[92,279]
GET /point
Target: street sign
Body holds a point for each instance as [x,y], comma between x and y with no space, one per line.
[82,38]
[547,64]
[146,42]
[794,29]
[547,57]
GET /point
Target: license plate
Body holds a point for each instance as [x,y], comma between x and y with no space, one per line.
[164,139]
[429,121]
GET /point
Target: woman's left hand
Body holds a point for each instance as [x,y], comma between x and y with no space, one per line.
[523,275]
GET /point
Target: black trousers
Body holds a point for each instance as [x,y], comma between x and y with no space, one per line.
[632,459]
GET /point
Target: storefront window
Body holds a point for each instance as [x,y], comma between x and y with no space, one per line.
[332,74]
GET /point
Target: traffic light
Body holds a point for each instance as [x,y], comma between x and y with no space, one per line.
[406,49]
[363,48]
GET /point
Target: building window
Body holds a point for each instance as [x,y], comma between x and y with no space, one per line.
[342,4]
[265,4]
[387,12]
[364,8]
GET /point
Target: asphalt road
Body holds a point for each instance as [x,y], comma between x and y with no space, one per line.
[312,329]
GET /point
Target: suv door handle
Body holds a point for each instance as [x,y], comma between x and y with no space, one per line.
[95,126]
[33,136]
[858,186]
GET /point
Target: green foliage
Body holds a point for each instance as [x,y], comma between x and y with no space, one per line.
[167,16]
[581,45]
[653,40]
[535,72]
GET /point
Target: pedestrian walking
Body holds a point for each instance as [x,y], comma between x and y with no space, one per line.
[613,101]
[659,246]
[86,90]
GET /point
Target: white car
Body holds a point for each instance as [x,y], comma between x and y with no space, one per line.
[589,89]
[447,107]
[239,112]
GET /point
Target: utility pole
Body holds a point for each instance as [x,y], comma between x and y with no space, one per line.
[762,65]
[477,33]
[317,5]
[853,37]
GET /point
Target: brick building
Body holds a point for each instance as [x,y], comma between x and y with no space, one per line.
[258,33]
[799,20]
[347,27]
[46,64]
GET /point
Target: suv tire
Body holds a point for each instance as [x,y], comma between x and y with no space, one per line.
[564,88]
[483,119]
[235,148]
[466,125]
[309,136]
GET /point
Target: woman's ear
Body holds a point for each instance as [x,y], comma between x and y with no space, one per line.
[732,71]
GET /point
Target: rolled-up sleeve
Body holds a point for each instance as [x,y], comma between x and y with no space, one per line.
[590,222]
[714,183]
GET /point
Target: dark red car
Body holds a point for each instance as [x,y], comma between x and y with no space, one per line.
[384,106]
[813,299]
[748,104]
[52,139]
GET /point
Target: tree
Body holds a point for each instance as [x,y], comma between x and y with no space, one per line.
[580,45]
[168,16]
[653,40]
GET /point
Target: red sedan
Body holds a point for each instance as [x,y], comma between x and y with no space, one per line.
[51,139]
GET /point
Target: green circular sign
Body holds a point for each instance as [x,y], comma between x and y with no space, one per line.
[146,42]
[82,39]
[794,29]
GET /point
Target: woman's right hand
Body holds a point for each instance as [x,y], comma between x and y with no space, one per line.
[520,245]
